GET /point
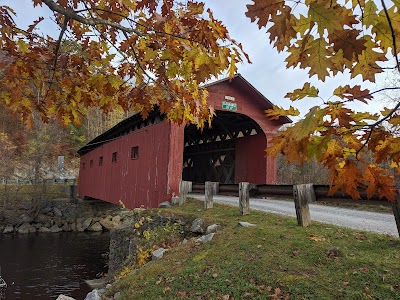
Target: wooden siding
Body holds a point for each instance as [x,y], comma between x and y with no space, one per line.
[136,182]
[260,168]
[251,164]
[155,175]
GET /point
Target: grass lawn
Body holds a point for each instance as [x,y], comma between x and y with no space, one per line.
[274,260]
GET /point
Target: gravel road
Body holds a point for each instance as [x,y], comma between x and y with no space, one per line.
[356,219]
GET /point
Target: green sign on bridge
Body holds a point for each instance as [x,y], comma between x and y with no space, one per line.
[229,106]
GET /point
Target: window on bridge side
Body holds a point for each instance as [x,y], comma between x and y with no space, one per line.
[135,152]
[114,157]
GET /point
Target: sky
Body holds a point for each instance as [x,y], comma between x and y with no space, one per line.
[267,73]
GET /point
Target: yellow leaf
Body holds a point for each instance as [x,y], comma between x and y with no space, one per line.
[276,112]
[23,46]
[316,238]
[306,91]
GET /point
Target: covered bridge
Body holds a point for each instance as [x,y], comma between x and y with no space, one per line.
[141,162]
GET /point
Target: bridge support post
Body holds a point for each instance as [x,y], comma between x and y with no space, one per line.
[303,194]
[211,189]
[185,187]
[396,210]
[244,198]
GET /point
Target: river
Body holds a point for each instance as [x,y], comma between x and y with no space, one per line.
[44,265]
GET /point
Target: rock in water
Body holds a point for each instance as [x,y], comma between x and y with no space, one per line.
[63,297]
[86,223]
[44,229]
[97,283]
[24,228]
[55,229]
[95,227]
[197,226]
[8,229]
[94,295]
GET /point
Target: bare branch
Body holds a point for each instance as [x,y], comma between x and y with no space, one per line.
[140,24]
[92,22]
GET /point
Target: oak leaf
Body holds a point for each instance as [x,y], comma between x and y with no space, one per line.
[306,91]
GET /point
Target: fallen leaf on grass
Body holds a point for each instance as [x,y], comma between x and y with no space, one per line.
[360,236]
[333,252]
[182,294]
[279,295]
[159,281]
[247,295]
[316,238]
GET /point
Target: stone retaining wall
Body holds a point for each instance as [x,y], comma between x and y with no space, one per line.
[64,216]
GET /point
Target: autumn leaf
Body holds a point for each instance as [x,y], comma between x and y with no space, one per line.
[379,182]
[263,10]
[23,46]
[316,238]
[309,124]
[328,38]
[276,112]
[306,91]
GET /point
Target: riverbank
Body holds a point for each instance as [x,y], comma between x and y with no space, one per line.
[274,259]
[63,215]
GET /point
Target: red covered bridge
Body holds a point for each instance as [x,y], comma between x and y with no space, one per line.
[141,162]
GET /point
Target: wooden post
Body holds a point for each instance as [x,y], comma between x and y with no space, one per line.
[72,192]
[244,198]
[396,210]
[184,188]
[211,189]
[303,194]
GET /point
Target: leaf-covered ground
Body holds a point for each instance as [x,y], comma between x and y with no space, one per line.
[274,260]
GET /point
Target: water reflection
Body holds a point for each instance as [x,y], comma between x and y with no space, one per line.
[42,266]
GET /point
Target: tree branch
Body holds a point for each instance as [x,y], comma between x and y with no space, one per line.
[393,34]
[67,12]
[140,24]
[370,94]
[372,127]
